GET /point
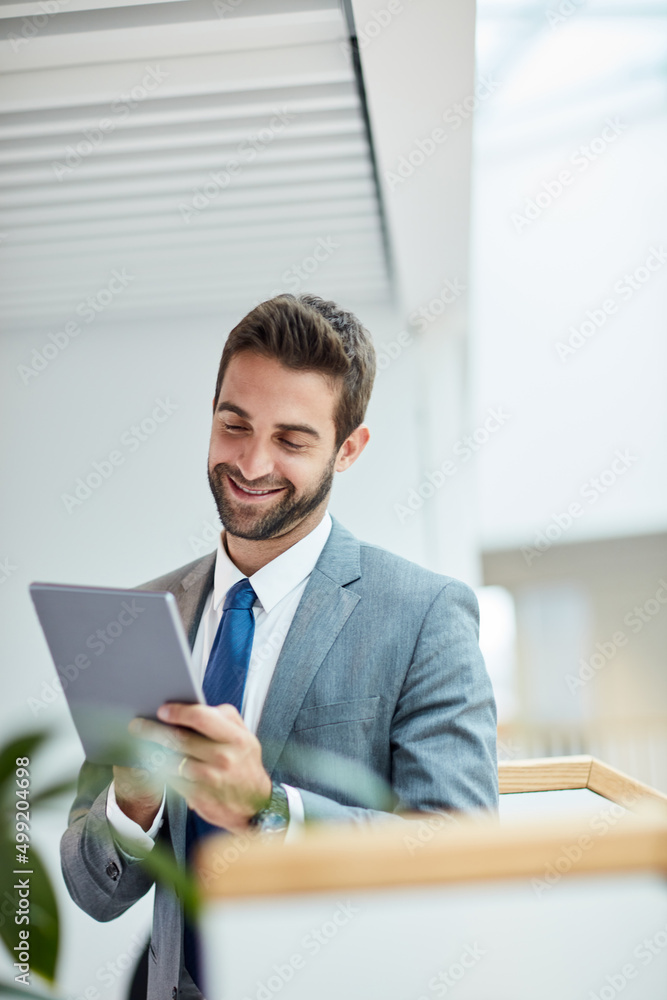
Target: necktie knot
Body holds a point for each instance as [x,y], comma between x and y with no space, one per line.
[240,597]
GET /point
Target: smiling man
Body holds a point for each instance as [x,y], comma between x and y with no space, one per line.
[342,682]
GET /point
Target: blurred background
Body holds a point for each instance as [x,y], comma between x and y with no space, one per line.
[484,187]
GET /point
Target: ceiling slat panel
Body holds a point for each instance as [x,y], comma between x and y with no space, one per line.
[49,49]
[158,192]
[187,76]
[181,112]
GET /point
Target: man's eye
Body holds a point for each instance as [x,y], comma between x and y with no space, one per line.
[234,427]
[291,444]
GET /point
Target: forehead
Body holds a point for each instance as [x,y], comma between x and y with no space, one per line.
[269,391]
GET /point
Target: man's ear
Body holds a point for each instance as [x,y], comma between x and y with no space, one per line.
[352,447]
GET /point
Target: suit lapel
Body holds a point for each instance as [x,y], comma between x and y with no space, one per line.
[322,612]
[190,593]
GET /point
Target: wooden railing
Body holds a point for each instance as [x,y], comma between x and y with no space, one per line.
[635,746]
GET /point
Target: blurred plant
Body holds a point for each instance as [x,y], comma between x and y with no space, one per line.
[44,921]
[43,914]
[324,768]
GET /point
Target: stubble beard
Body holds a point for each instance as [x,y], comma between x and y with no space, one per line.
[259,526]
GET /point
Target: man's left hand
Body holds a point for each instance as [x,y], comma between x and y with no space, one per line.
[220,773]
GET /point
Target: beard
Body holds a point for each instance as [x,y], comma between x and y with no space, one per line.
[258,526]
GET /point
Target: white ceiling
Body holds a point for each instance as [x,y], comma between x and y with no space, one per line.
[126,200]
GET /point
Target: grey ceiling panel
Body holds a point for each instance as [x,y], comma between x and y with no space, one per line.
[216,152]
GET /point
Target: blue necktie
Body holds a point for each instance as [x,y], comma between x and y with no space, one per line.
[224,683]
[227,668]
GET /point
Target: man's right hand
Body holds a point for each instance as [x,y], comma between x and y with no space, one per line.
[137,794]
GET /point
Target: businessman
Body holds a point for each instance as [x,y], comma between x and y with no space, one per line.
[330,667]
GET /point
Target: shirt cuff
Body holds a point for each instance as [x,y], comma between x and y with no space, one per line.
[297,814]
[129,835]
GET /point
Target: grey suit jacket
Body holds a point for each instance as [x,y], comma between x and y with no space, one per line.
[380,685]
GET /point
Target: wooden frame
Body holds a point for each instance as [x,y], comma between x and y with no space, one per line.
[345,860]
[431,849]
[548,774]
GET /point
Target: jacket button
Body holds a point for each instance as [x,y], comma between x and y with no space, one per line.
[112,871]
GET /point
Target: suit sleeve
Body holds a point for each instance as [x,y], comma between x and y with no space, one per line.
[443,732]
[100,880]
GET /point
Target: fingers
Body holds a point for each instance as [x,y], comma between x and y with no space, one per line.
[200,789]
[196,796]
[195,730]
[219,722]
[211,803]
[181,742]
[216,761]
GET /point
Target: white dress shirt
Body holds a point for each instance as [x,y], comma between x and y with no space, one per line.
[279,587]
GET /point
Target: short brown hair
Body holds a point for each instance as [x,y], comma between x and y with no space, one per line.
[308,333]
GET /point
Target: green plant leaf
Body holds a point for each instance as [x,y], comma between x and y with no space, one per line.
[22,746]
[44,921]
[60,788]
[161,863]
[43,912]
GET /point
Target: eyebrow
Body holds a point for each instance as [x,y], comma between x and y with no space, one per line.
[234,409]
[297,428]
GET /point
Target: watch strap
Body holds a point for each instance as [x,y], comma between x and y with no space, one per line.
[274,818]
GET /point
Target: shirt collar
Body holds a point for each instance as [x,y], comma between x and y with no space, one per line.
[280,576]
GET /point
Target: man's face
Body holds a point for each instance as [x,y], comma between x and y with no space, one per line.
[272,454]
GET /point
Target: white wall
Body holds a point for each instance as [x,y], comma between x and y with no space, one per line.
[533,281]
[418,63]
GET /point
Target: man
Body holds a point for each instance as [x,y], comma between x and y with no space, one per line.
[331,668]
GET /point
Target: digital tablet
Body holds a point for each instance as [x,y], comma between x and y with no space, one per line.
[118,654]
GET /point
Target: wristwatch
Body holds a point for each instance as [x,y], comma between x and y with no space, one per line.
[275,817]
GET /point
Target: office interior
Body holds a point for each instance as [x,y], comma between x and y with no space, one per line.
[483,185]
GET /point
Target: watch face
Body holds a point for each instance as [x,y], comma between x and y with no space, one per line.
[273,822]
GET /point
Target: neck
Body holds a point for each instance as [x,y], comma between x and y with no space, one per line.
[249,556]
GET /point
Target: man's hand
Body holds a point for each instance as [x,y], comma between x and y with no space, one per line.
[220,772]
[137,795]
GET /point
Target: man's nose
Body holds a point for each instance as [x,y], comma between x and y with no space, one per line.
[254,459]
